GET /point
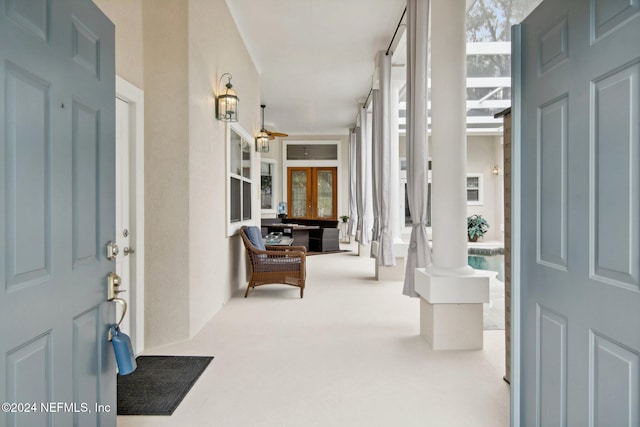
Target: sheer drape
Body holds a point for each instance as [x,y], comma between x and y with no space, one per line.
[376,143]
[359,183]
[365,216]
[419,255]
[385,254]
[353,207]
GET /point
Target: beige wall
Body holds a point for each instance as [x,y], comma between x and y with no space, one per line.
[402,144]
[166,70]
[127,16]
[216,263]
[483,152]
[172,49]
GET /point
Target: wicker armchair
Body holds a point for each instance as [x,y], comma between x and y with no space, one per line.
[273,264]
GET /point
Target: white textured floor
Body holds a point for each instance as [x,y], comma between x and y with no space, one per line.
[348,354]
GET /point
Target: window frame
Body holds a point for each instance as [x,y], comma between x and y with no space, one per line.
[234,227]
[480,201]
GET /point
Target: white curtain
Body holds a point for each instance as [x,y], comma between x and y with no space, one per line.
[385,254]
[419,255]
[359,183]
[365,216]
[376,143]
[353,206]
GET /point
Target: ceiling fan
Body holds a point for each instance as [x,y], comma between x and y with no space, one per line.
[272,135]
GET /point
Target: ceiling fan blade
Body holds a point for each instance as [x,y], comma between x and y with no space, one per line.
[276,134]
[272,135]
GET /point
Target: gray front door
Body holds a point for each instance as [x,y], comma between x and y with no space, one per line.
[57,92]
[580,214]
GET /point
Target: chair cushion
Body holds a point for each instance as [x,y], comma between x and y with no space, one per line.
[255,237]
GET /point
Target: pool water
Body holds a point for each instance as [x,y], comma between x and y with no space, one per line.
[488,262]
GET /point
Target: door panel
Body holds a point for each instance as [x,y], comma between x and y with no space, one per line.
[57,91]
[325,190]
[580,189]
[312,192]
[28,236]
[616,167]
[84,140]
[300,199]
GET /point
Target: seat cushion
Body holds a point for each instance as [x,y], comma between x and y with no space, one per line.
[255,237]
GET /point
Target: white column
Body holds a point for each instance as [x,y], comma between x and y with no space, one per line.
[452,293]
[394,104]
[448,136]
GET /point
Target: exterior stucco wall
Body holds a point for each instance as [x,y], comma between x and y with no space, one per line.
[171,49]
[483,152]
[216,262]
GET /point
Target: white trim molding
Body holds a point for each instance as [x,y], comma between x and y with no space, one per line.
[274,185]
[314,163]
[134,96]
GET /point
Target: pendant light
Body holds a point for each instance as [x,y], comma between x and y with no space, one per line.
[262,139]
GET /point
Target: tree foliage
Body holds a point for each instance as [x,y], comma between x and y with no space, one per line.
[491,21]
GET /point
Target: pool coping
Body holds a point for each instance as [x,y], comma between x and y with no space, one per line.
[485,251]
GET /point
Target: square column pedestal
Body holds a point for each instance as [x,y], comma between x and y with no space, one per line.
[392,272]
[451,309]
[364,250]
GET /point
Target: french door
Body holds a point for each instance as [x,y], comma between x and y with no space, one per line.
[312,192]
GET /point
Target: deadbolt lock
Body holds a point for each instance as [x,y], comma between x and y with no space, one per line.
[112,250]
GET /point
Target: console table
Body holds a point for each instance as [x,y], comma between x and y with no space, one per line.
[300,233]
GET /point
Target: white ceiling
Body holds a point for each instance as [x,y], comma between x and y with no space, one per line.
[315,57]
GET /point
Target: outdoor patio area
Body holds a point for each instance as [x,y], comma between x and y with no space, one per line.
[349,353]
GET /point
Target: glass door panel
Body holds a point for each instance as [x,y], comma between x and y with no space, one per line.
[298,182]
[325,192]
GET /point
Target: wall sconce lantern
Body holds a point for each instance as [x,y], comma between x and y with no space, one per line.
[495,170]
[227,101]
[262,139]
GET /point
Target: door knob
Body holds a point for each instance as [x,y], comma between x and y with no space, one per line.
[128,251]
[113,286]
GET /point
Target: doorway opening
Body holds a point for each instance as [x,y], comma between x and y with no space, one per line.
[130,206]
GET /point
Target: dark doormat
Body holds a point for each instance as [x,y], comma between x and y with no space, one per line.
[159,384]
